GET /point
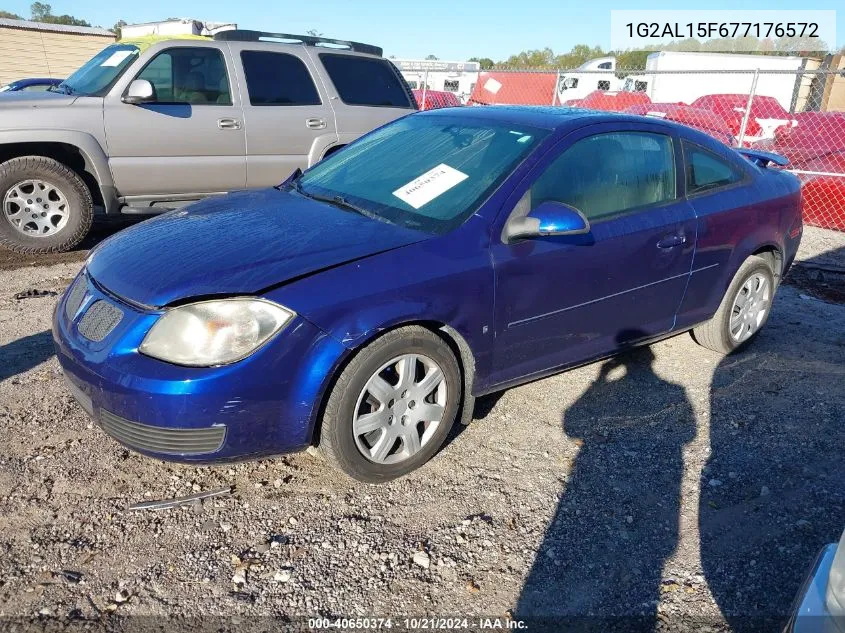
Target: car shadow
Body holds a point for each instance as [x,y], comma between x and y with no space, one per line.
[599,566]
[25,353]
[772,491]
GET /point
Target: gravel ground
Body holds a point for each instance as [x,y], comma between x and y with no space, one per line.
[670,486]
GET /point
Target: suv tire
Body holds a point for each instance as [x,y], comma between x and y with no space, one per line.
[45,207]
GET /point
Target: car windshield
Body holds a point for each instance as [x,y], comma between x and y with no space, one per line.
[428,173]
[98,75]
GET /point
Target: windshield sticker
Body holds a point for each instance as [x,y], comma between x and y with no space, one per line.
[116,57]
[428,186]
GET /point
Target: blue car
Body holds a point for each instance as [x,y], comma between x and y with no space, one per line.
[33,84]
[363,304]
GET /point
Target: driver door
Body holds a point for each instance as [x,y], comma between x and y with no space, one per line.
[568,299]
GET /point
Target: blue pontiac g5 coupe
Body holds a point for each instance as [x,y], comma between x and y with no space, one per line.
[363,304]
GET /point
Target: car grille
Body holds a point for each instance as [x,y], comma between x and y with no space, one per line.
[167,441]
[100,319]
[75,298]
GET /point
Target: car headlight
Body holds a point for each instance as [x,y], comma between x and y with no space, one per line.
[217,332]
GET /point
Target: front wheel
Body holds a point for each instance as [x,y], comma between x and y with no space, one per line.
[744,309]
[392,406]
[46,207]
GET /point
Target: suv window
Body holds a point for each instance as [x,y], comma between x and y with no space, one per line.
[608,174]
[189,75]
[278,79]
[706,171]
[365,81]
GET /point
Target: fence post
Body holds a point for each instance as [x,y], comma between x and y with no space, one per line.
[554,88]
[747,114]
[425,89]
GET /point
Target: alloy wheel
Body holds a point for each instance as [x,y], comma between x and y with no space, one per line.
[750,307]
[36,208]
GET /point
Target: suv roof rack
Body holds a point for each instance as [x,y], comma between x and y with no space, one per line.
[245,35]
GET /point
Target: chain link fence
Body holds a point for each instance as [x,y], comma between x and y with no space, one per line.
[799,113]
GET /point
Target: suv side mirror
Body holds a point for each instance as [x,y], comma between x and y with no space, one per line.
[139,91]
[547,219]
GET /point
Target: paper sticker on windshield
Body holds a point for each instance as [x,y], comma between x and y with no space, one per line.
[115,58]
[431,184]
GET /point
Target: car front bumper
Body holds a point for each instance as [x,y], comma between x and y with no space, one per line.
[265,404]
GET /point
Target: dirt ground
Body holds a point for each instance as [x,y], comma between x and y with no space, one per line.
[670,488]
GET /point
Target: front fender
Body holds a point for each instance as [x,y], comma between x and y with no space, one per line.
[96,160]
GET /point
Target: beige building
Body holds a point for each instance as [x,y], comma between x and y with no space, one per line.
[37,49]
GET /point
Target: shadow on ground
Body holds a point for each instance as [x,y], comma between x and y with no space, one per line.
[771,491]
[25,353]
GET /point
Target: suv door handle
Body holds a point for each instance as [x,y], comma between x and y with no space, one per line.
[671,241]
[315,124]
[228,124]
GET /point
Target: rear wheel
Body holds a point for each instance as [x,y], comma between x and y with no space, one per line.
[744,309]
[46,207]
[392,406]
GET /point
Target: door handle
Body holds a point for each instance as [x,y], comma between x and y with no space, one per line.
[671,241]
[228,124]
[315,124]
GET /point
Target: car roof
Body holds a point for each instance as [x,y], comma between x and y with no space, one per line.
[547,117]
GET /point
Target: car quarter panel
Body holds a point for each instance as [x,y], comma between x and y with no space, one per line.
[733,224]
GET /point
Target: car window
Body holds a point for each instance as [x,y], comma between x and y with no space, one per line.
[278,79]
[707,171]
[189,75]
[608,174]
[366,81]
[36,88]
[428,173]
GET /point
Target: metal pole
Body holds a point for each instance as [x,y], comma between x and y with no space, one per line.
[748,108]
[554,88]
[425,89]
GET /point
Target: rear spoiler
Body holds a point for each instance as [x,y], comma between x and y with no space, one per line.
[762,159]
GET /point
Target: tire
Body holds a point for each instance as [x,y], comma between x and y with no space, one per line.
[67,206]
[350,401]
[716,333]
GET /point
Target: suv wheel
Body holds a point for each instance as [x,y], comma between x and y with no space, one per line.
[46,207]
[392,406]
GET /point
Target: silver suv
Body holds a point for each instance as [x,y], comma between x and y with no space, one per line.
[143,128]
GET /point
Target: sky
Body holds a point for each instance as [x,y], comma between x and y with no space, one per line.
[449,29]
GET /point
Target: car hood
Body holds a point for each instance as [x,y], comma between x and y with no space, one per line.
[34,99]
[240,243]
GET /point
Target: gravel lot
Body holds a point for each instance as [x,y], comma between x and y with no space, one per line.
[671,486]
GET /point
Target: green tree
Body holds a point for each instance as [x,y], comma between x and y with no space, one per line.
[9,15]
[117,29]
[485,62]
[432,57]
[313,33]
[43,12]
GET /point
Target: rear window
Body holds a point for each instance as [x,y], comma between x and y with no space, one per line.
[278,79]
[706,171]
[366,81]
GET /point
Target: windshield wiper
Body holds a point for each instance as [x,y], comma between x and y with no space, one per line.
[339,201]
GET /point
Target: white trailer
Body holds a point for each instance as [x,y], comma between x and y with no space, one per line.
[667,78]
[577,84]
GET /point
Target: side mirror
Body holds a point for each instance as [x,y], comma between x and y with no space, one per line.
[139,91]
[547,219]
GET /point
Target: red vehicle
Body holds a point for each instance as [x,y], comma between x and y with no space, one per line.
[817,145]
[767,114]
[498,88]
[435,99]
[697,118]
[610,100]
